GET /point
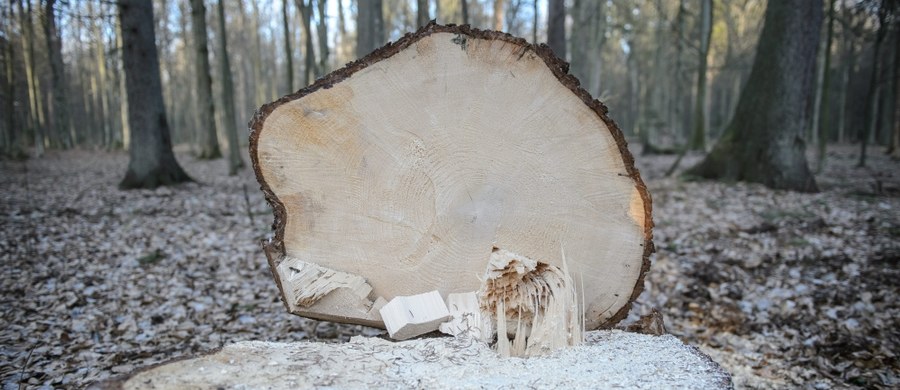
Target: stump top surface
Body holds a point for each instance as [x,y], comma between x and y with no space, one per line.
[609,359]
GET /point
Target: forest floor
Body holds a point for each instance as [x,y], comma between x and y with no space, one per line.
[783,289]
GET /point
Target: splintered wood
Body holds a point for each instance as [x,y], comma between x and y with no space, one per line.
[399,173]
[534,305]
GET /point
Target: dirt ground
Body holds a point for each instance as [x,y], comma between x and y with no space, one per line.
[783,289]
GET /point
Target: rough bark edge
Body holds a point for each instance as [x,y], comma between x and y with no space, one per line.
[557,66]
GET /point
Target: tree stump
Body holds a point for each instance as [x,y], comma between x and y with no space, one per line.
[404,171]
[610,359]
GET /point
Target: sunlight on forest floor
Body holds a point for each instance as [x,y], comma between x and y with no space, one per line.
[780,288]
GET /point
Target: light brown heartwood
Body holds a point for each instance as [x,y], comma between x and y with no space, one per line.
[409,167]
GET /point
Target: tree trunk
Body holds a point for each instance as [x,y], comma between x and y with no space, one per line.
[322,35]
[497,16]
[556,27]
[894,148]
[764,142]
[260,89]
[824,125]
[451,192]
[11,143]
[309,67]
[873,97]
[370,27]
[698,136]
[209,140]
[422,17]
[59,99]
[151,162]
[35,102]
[102,92]
[464,10]
[534,21]
[588,39]
[234,146]
[123,95]
[288,53]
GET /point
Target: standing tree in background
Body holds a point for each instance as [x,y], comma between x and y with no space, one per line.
[61,126]
[369,27]
[33,81]
[151,163]
[822,125]
[208,147]
[322,34]
[309,67]
[556,27]
[764,141]
[698,136]
[422,17]
[885,13]
[498,15]
[288,53]
[234,152]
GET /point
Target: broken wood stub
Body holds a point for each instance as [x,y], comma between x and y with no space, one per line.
[408,167]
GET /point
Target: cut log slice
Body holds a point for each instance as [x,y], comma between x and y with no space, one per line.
[409,167]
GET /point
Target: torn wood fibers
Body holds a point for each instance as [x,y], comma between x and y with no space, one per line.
[462,162]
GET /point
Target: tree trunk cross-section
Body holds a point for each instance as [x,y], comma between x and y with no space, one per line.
[411,166]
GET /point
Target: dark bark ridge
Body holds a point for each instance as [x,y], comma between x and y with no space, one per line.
[274,248]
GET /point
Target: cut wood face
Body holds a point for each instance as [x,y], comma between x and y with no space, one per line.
[408,167]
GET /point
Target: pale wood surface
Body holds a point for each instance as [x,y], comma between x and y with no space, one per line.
[413,169]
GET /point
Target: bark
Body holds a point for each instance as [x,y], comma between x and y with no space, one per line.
[422,17]
[534,22]
[151,163]
[260,89]
[698,136]
[288,52]
[34,89]
[100,92]
[60,126]
[498,15]
[764,141]
[556,27]
[824,125]
[208,147]
[234,150]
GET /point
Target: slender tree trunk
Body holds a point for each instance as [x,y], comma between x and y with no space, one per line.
[34,89]
[123,95]
[894,148]
[823,122]
[556,27]
[764,142]
[288,53]
[309,67]
[59,99]
[260,84]
[234,151]
[698,136]
[322,35]
[209,140]
[872,99]
[11,146]
[422,17]
[497,16]
[151,162]
[370,27]
[101,85]
[464,10]
[676,104]
[534,22]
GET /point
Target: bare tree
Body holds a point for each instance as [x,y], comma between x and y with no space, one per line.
[61,127]
[422,17]
[151,163]
[498,15]
[369,27]
[208,147]
[698,136]
[34,89]
[234,153]
[288,53]
[556,27]
[764,142]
